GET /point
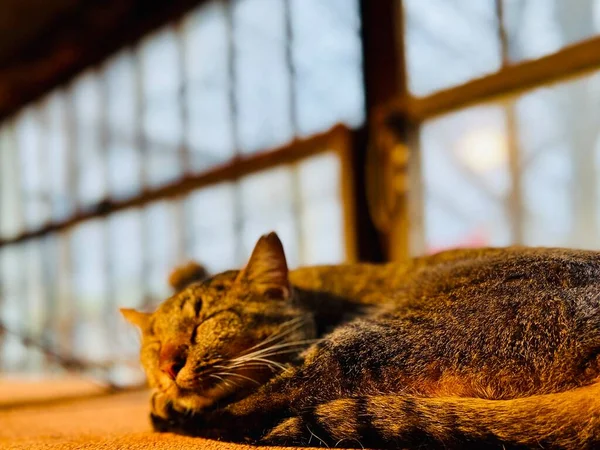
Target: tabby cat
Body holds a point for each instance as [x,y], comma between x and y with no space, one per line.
[467,348]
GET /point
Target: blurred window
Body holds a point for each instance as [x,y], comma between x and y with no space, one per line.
[450,42]
[203,98]
[523,168]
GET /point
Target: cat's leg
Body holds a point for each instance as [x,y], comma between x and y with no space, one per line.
[337,367]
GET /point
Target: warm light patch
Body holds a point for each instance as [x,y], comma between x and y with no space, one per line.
[483,150]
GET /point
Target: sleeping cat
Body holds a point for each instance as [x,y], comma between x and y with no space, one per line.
[466,348]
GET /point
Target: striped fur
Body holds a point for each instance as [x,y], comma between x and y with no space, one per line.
[568,419]
[485,348]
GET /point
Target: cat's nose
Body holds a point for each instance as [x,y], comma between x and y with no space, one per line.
[172,359]
[171,368]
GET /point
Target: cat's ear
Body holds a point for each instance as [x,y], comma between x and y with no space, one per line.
[187,274]
[137,318]
[267,270]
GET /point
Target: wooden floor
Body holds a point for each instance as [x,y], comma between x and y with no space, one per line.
[76,414]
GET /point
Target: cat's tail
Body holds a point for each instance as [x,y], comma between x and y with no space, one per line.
[567,420]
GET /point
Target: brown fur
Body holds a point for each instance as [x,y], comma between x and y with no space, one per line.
[486,347]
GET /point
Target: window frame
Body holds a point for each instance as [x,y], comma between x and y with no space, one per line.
[403,114]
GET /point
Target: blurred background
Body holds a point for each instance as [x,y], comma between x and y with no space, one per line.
[136,135]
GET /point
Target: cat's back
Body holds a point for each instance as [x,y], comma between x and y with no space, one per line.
[528,316]
[526,275]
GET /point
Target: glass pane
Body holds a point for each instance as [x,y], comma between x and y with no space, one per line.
[162,124]
[161,71]
[326,51]
[126,255]
[540,27]
[323,232]
[30,137]
[557,164]
[13,283]
[64,315]
[11,205]
[88,104]
[49,279]
[88,247]
[560,163]
[59,178]
[211,222]
[466,179]
[321,219]
[160,247]
[209,137]
[262,79]
[124,161]
[126,266]
[35,299]
[459,36]
[267,204]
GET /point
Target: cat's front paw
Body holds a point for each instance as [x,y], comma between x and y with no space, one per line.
[161,406]
[161,413]
[164,414]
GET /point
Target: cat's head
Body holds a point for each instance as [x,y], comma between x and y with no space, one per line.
[225,335]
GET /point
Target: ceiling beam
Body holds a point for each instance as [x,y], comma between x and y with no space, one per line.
[84,38]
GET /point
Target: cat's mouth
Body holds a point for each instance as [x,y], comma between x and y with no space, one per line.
[212,384]
[220,378]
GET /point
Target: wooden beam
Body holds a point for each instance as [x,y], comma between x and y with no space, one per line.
[512,79]
[237,167]
[86,37]
[384,78]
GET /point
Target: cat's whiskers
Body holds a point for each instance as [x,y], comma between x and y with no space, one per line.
[255,363]
[223,380]
[285,329]
[234,374]
[265,351]
[259,355]
[258,360]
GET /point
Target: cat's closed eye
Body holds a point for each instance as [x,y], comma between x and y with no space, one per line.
[197,306]
[194,334]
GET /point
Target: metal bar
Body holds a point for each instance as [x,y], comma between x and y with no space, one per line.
[239,166]
[107,232]
[289,59]
[3,212]
[515,200]
[297,205]
[502,35]
[71,159]
[233,105]
[141,147]
[185,154]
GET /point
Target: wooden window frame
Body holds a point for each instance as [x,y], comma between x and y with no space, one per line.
[403,114]
[338,139]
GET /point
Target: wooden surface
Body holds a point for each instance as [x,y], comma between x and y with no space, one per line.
[75,414]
